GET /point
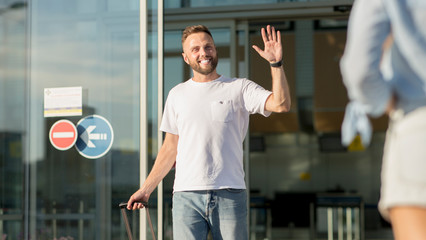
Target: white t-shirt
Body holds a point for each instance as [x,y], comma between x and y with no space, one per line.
[211,120]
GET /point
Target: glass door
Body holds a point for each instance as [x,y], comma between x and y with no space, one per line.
[13,25]
[84,72]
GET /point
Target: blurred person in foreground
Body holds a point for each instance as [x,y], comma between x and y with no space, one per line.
[205,120]
[391,80]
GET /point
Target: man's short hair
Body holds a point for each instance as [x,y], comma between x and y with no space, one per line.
[194,29]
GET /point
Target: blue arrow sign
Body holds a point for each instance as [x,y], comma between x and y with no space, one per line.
[95,136]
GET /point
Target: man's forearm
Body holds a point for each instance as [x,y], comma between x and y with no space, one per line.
[280,99]
[161,168]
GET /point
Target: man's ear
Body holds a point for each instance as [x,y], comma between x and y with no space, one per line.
[185,58]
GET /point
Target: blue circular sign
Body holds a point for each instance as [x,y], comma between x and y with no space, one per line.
[95,136]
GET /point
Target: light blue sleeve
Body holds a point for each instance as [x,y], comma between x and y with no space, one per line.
[368,28]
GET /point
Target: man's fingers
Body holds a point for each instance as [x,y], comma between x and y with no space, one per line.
[270,39]
[270,34]
[135,205]
[274,34]
[138,205]
[129,204]
[132,205]
[265,39]
[278,36]
[257,49]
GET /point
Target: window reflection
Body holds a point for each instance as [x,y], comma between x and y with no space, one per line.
[81,43]
[209,3]
[12,116]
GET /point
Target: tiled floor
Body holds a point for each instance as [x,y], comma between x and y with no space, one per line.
[304,234]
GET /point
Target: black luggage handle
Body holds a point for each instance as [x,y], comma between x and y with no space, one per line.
[123,207]
[124,204]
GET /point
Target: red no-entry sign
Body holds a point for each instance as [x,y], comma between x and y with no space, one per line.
[63,134]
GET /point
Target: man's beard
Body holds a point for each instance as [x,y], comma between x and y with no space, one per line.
[205,71]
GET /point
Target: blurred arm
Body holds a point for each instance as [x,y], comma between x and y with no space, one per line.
[368,28]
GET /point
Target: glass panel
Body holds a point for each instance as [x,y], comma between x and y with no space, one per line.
[241,54]
[123,5]
[80,44]
[209,3]
[152,106]
[290,164]
[12,116]
[175,73]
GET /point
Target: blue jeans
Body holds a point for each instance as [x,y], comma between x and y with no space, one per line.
[223,212]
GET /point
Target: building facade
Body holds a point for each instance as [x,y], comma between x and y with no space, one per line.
[116,61]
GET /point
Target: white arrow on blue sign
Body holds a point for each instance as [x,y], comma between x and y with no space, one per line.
[95,136]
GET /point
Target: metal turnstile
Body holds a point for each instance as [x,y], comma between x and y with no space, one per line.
[344,215]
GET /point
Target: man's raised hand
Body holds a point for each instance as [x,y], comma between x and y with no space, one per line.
[272,42]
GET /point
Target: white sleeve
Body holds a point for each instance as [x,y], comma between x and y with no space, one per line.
[169,123]
[255,97]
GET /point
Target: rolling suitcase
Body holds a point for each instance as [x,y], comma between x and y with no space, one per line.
[123,207]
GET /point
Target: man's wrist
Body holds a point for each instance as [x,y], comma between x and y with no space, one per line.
[276,64]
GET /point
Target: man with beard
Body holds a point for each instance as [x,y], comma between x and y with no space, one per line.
[206,120]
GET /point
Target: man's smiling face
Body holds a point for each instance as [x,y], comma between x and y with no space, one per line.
[199,51]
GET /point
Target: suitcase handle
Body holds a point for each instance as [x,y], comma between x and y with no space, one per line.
[123,207]
[124,204]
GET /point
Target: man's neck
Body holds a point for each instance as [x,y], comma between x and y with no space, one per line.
[205,78]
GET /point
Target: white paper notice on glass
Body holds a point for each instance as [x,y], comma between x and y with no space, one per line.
[64,101]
